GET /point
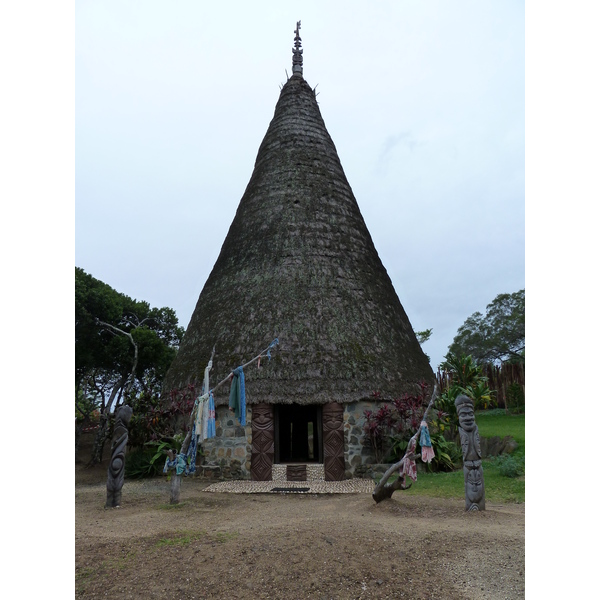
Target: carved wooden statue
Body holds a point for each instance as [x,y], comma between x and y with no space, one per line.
[471,449]
[116,467]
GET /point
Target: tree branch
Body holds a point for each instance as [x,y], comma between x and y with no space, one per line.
[385,490]
[135,352]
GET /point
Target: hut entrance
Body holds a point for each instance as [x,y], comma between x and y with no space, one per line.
[298,434]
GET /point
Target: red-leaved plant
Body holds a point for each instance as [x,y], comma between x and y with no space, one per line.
[395,422]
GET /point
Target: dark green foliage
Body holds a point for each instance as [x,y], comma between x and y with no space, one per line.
[461,376]
[149,460]
[510,465]
[86,408]
[103,318]
[448,455]
[123,349]
[141,463]
[515,398]
[497,336]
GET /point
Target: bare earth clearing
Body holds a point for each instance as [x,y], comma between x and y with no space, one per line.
[251,546]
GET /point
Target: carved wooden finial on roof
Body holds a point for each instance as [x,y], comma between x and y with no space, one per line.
[297,52]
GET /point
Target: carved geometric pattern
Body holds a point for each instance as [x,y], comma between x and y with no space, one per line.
[263,442]
[333,441]
[296,473]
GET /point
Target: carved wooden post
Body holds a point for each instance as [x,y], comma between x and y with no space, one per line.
[116,467]
[471,449]
[263,442]
[333,442]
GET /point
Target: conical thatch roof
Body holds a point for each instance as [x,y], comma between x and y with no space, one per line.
[299,264]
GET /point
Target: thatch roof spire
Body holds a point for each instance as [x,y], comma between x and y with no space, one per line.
[298,263]
[297,52]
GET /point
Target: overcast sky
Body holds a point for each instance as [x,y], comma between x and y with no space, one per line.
[425,102]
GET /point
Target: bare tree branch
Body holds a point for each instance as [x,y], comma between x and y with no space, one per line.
[135,352]
[385,490]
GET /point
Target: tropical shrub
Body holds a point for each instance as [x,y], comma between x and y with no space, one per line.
[141,463]
[462,376]
[510,465]
[149,460]
[448,455]
[390,428]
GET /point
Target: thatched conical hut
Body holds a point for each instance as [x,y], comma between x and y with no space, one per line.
[299,264]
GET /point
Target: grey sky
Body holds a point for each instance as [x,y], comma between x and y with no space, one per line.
[425,102]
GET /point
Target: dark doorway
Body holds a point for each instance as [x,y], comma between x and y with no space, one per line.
[298,434]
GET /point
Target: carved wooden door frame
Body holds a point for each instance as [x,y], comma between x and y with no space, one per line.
[263,442]
[333,442]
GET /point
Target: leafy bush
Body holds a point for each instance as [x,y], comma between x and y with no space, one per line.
[393,424]
[510,465]
[465,377]
[155,419]
[390,428]
[448,455]
[141,463]
[146,461]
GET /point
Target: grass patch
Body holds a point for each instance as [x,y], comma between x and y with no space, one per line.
[226,536]
[171,506]
[84,573]
[181,538]
[491,423]
[498,488]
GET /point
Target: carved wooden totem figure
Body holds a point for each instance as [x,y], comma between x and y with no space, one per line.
[263,442]
[333,441]
[471,449]
[116,467]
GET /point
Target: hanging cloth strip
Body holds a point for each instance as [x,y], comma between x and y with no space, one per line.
[199,421]
[211,431]
[204,430]
[427,453]
[184,464]
[237,395]
[410,466]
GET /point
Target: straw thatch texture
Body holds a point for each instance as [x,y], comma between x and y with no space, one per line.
[299,264]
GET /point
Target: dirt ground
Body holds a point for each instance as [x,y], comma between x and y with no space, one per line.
[252,546]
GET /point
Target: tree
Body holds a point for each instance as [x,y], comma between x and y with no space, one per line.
[496,337]
[123,348]
[422,337]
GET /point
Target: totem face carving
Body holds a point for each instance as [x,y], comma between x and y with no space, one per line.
[466,414]
[474,492]
[471,449]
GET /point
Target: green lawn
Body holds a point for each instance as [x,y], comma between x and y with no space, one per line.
[498,487]
[496,422]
